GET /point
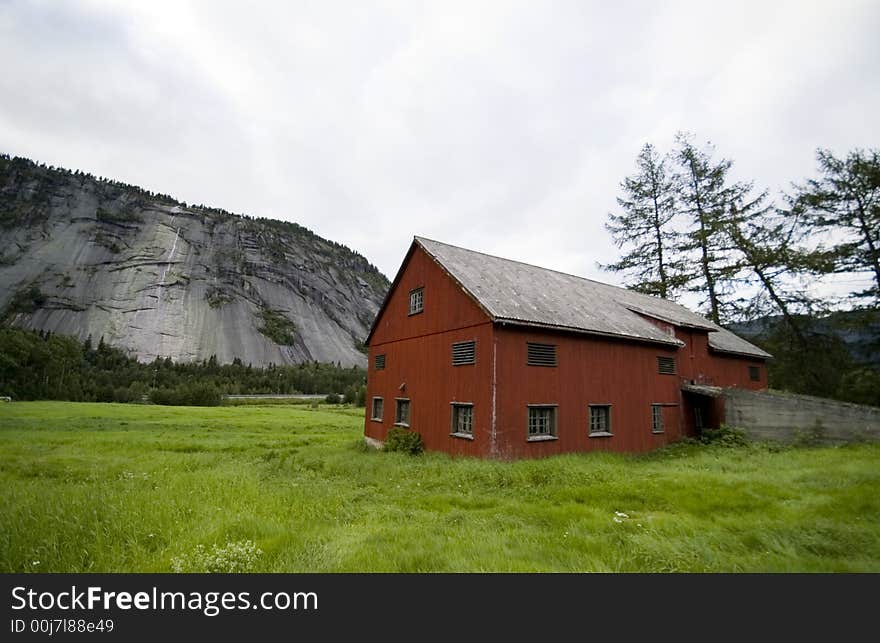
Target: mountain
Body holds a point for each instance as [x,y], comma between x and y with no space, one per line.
[858,331]
[84,256]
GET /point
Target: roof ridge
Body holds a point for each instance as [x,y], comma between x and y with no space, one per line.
[625,312]
[628,291]
[531,265]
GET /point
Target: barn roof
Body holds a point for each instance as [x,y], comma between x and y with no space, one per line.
[522,294]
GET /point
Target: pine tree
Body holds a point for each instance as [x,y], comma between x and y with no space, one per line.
[704,201]
[644,226]
[846,200]
[769,251]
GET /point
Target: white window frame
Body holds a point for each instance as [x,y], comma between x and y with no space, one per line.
[554,422]
[456,407]
[416,300]
[657,412]
[397,421]
[607,432]
[374,417]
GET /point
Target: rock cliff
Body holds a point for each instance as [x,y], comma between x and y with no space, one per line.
[84,256]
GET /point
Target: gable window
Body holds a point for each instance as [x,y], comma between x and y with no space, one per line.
[666,365]
[401,413]
[542,422]
[600,420]
[755,373]
[464,353]
[378,404]
[379,362]
[416,301]
[462,420]
[656,418]
[540,354]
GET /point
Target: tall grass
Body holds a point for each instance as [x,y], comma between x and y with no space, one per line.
[122,488]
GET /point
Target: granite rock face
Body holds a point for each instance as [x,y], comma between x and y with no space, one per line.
[82,256]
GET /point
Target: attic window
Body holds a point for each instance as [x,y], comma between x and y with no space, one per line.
[379,362]
[416,301]
[541,354]
[755,373]
[464,353]
[666,365]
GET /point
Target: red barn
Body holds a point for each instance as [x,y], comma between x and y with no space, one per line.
[490,357]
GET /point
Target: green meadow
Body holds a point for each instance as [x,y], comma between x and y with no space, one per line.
[290,488]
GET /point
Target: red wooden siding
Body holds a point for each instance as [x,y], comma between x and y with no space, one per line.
[418,355]
[424,366]
[590,370]
[447,307]
[699,364]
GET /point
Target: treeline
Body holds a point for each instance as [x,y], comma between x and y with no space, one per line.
[37,365]
[684,226]
[48,177]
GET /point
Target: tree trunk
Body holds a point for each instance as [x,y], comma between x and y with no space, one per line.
[714,314]
[661,267]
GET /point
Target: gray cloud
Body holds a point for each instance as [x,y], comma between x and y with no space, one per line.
[504,127]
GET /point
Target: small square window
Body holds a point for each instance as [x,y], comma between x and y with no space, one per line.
[379,362]
[463,420]
[378,404]
[657,418]
[401,414]
[755,373]
[600,420]
[542,422]
[416,301]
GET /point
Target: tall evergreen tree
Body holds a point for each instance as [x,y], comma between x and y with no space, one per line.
[845,199]
[705,196]
[644,227]
[771,254]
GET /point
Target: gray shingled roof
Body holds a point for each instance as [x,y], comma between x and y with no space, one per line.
[519,293]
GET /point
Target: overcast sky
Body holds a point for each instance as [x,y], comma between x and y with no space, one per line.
[504,127]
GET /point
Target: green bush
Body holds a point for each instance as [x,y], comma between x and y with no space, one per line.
[200,394]
[726,436]
[277,327]
[350,395]
[197,394]
[404,441]
[333,398]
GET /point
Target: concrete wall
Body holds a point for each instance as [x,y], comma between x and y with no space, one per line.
[771,415]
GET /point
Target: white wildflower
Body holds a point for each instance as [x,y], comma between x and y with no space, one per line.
[232,558]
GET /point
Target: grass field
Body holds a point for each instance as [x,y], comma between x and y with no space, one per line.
[129,488]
